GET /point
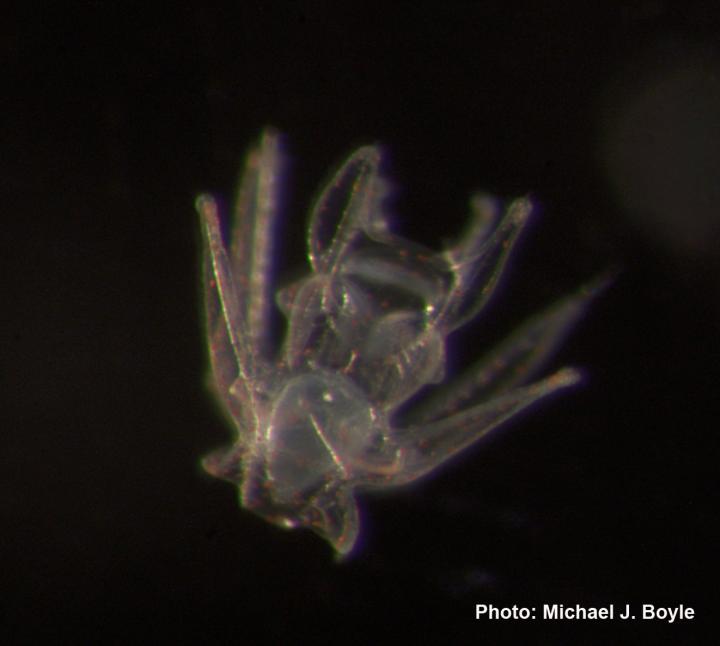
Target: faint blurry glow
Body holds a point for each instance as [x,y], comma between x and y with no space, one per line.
[660,145]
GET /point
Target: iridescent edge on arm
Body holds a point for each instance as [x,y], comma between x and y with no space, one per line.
[315,417]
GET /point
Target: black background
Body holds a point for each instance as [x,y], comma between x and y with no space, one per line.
[116,115]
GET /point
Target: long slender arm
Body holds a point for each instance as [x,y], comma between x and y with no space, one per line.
[513,362]
[427,447]
[251,247]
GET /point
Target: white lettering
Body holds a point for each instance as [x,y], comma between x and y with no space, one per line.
[551,612]
[559,611]
[490,611]
[649,611]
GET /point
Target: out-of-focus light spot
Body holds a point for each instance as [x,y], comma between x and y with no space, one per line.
[660,146]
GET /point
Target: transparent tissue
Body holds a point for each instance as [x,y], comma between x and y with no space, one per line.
[316,417]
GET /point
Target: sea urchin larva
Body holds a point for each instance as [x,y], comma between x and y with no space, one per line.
[366,330]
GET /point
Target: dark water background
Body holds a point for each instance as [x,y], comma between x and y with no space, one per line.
[114,116]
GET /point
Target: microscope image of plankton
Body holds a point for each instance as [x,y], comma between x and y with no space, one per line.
[316,417]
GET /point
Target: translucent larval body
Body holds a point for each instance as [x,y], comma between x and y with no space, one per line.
[366,330]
